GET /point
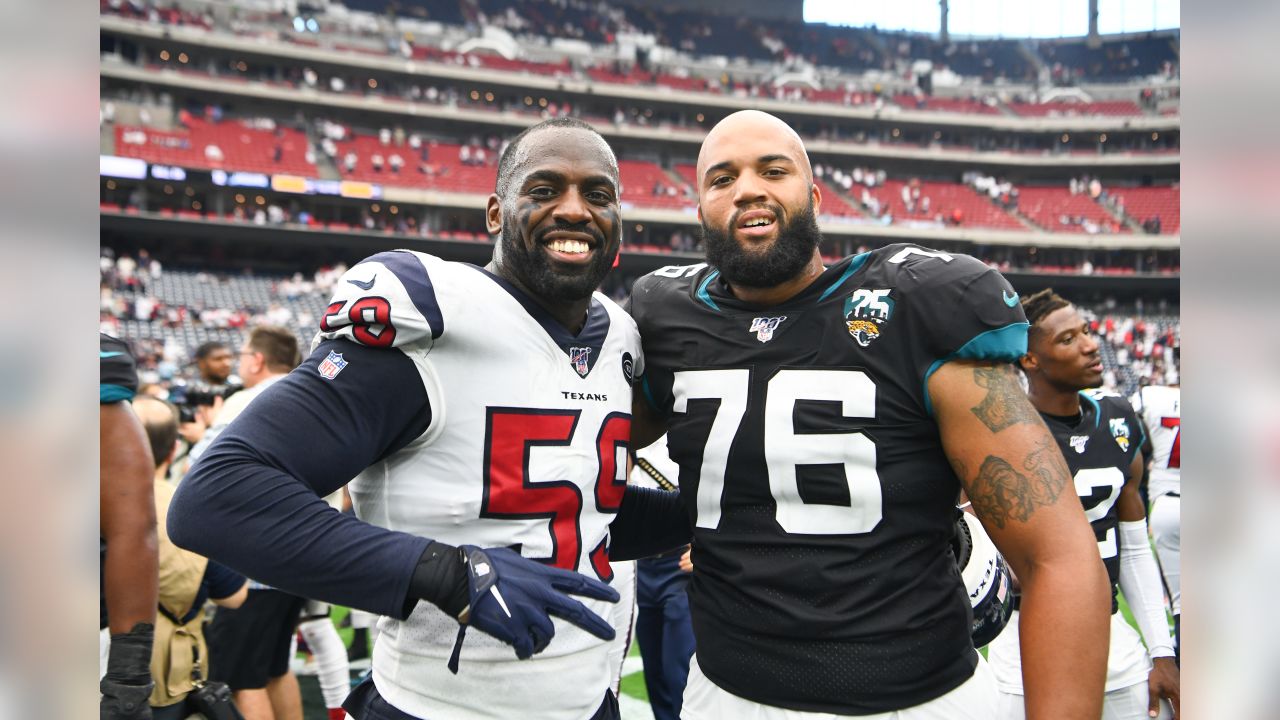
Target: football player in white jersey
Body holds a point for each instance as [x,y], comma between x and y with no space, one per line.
[1099,435]
[484,414]
[1161,409]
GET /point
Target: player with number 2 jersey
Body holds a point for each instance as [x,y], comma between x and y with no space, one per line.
[1101,439]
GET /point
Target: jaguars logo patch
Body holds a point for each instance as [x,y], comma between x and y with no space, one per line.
[866,312]
[1120,431]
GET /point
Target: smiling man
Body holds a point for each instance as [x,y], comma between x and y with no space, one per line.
[825,420]
[484,416]
[1100,436]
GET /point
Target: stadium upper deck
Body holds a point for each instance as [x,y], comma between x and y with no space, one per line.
[987,163]
[703,51]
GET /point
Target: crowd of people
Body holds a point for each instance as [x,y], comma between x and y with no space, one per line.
[708,33]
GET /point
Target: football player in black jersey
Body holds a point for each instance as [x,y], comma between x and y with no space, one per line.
[824,421]
[127,519]
[1100,436]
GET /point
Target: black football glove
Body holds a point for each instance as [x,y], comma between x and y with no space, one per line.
[512,599]
[127,685]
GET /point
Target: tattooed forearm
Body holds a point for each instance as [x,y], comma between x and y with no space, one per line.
[1000,492]
[1005,404]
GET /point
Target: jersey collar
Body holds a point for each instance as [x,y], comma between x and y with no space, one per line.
[582,349]
[712,291]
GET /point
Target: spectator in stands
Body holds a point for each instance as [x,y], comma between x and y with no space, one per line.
[395,162]
[384,136]
[277,153]
[464,154]
[213,154]
[186,580]
[349,161]
[376,162]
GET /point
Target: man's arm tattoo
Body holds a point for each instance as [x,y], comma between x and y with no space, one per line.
[1001,492]
[1005,404]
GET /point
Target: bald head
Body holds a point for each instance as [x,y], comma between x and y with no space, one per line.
[754,124]
[160,419]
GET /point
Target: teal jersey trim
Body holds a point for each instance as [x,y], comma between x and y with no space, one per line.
[648,394]
[1097,411]
[1006,343]
[854,266]
[108,394]
[702,293]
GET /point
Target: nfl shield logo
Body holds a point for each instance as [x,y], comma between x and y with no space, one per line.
[332,365]
[578,356]
[763,327]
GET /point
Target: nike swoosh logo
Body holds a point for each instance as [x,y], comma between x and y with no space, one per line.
[1010,301]
[102,355]
[365,285]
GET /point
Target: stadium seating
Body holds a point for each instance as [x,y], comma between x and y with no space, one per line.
[1115,108]
[1145,203]
[833,203]
[639,180]
[944,200]
[1117,60]
[243,148]
[1047,206]
[941,104]
[447,172]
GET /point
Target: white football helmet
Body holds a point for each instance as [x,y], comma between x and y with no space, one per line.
[986,578]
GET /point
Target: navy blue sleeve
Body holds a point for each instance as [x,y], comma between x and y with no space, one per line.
[221,580]
[253,500]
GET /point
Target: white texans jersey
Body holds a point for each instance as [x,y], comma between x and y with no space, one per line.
[526,448]
[1161,410]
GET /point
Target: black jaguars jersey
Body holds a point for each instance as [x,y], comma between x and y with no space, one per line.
[822,503]
[117,375]
[1099,448]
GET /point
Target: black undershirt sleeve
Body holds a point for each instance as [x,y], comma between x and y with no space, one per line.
[253,501]
[649,522]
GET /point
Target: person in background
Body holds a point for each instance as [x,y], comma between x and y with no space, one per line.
[186,581]
[127,522]
[1100,436]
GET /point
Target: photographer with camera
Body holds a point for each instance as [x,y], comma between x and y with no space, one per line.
[199,402]
[268,355]
[180,655]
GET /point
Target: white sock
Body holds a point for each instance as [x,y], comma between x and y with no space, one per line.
[332,668]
